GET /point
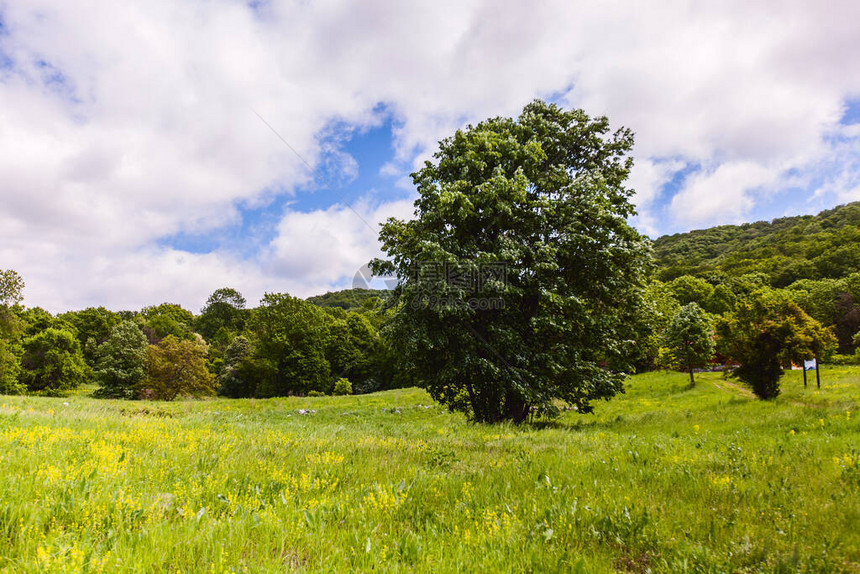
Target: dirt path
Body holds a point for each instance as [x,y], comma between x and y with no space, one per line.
[730,385]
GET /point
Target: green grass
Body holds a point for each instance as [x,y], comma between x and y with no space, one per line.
[665,478]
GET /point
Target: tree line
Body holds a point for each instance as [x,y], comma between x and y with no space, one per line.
[285,346]
[521,288]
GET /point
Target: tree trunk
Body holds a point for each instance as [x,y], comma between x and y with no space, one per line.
[692,380]
[516,409]
[474,401]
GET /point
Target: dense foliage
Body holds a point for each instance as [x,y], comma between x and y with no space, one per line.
[176,367]
[690,337]
[823,246]
[52,362]
[519,270]
[350,299]
[291,340]
[767,332]
[121,362]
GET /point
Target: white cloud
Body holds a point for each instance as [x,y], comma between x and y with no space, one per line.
[147,127]
[325,248]
[839,168]
[724,194]
[647,178]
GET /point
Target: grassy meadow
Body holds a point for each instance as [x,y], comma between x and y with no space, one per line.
[664,477]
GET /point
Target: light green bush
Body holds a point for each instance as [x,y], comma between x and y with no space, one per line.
[342,387]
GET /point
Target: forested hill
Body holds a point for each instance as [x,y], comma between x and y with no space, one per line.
[348,299]
[820,246]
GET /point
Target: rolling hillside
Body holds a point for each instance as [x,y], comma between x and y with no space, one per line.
[820,246]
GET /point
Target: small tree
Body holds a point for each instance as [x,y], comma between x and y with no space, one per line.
[690,337]
[175,368]
[52,362]
[764,333]
[121,362]
[651,320]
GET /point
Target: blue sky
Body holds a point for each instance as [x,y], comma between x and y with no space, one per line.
[368,150]
[135,167]
[372,149]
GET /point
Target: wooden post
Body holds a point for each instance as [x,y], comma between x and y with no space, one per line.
[804,375]
[817,375]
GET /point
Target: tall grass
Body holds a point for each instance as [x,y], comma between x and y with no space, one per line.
[665,477]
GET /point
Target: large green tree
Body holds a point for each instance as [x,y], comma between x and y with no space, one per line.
[176,367]
[52,362]
[237,377]
[690,336]
[94,326]
[353,350]
[766,332]
[519,272]
[291,340]
[225,309]
[121,362]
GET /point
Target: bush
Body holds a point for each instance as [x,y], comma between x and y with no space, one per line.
[342,387]
[838,359]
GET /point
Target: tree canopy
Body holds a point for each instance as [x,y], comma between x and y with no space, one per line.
[225,309]
[767,332]
[176,367]
[690,336]
[11,287]
[785,250]
[52,362]
[121,362]
[291,342]
[519,269]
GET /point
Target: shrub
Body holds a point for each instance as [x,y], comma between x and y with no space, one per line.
[315,394]
[838,359]
[342,387]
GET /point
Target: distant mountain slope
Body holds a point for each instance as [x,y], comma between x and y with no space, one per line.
[348,299]
[820,246]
